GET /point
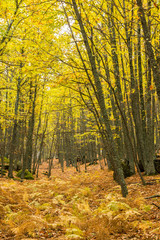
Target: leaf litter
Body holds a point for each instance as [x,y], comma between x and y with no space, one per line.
[73,205]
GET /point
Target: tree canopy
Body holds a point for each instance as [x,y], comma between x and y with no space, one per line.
[80,80]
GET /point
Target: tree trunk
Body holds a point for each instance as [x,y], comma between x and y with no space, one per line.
[14,134]
[29,147]
[149,47]
[100,98]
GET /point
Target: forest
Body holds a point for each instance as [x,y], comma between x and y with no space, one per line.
[79,110]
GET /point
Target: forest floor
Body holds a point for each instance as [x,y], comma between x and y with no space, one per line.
[73,205]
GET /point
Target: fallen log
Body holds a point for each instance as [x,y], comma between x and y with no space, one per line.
[154,196]
[156,205]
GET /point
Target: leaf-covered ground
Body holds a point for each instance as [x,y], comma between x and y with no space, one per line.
[82,205]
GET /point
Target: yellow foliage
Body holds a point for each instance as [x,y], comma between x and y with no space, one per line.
[83,207]
[117,206]
[145,225]
[86,192]
[44,206]
[25,197]
[27,228]
[69,219]
[156,230]
[72,208]
[74,233]
[2,211]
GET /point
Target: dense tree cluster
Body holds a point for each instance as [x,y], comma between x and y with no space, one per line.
[80,80]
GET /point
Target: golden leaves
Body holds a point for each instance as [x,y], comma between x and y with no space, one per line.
[70,206]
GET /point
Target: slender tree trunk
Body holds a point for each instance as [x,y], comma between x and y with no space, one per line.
[100,98]
[149,47]
[36,138]
[41,144]
[14,134]
[29,147]
[51,156]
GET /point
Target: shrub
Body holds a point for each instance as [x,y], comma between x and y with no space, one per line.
[27,175]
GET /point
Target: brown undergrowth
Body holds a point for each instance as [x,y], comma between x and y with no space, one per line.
[73,205]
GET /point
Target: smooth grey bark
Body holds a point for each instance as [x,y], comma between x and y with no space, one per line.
[135,98]
[118,92]
[140,80]
[83,138]
[100,98]
[157,127]
[60,154]
[2,149]
[14,133]
[126,127]
[65,133]
[117,120]
[27,160]
[99,155]
[59,143]
[99,122]
[22,141]
[51,155]
[105,158]
[130,148]
[72,133]
[150,151]
[149,47]
[2,144]
[36,137]
[66,137]
[42,143]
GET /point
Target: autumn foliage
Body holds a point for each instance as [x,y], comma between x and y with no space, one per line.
[78,206]
[79,112]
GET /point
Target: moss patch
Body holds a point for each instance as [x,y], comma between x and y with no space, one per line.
[27,175]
